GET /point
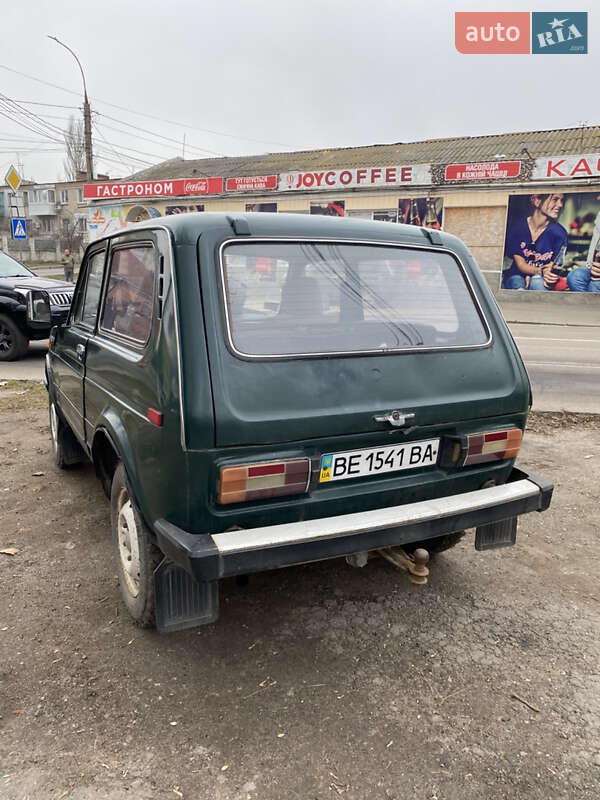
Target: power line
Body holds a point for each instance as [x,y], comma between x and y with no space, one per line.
[29,117]
[158,135]
[27,127]
[50,105]
[36,124]
[119,155]
[150,116]
[135,150]
[123,159]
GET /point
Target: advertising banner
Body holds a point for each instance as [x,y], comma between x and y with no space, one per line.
[484,170]
[552,242]
[251,183]
[361,177]
[423,211]
[103,220]
[169,188]
[106,219]
[579,166]
[254,208]
[170,210]
[336,208]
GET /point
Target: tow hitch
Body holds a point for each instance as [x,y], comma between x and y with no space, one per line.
[415,565]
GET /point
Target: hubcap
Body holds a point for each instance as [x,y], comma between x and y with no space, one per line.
[129,551]
[6,341]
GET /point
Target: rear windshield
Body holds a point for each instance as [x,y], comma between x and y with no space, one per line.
[320,298]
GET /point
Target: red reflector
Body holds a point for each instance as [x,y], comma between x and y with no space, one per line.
[496,437]
[267,469]
[155,417]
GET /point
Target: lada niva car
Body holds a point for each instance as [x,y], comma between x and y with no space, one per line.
[263,390]
[19,291]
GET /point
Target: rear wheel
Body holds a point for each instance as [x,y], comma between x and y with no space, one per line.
[136,556]
[13,343]
[66,450]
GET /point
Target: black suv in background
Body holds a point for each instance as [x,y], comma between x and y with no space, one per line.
[18,288]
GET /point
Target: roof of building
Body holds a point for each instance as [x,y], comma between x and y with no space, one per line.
[458,149]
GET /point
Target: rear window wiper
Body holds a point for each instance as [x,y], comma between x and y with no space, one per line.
[404,328]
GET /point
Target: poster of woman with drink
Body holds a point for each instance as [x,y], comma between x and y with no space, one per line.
[552,242]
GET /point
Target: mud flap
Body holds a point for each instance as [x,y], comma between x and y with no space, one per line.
[496,534]
[182,602]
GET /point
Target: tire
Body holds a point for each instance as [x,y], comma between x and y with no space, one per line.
[13,343]
[136,556]
[439,544]
[66,450]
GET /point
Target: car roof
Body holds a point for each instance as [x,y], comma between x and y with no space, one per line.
[186,228]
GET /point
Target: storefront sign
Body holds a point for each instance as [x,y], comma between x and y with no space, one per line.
[580,166]
[169,188]
[363,177]
[486,170]
[251,183]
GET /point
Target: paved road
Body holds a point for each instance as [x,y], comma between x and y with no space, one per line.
[30,368]
[563,363]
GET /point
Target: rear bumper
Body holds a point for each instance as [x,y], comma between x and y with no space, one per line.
[208,557]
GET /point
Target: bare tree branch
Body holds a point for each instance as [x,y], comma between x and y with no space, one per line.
[75,149]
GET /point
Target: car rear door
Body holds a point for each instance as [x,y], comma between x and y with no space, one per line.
[70,344]
[434,355]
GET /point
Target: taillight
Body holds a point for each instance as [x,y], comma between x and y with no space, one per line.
[262,481]
[480,448]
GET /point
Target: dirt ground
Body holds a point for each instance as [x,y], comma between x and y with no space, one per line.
[317,682]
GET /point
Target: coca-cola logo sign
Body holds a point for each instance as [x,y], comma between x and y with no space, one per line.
[196,187]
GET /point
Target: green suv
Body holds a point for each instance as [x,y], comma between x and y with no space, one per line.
[263,390]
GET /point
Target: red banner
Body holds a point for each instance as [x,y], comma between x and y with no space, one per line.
[139,189]
[485,170]
[251,183]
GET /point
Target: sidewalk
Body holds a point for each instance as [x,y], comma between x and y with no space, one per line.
[547,308]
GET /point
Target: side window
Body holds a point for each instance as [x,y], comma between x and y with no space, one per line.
[130,293]
[86,305]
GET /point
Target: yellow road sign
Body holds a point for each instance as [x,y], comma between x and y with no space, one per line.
[13,178]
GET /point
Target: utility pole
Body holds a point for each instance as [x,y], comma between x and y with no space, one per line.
[87,116]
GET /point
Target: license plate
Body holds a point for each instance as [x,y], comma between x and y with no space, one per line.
[378,460]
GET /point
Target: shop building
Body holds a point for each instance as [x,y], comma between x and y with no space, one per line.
[469,186]
[56,214]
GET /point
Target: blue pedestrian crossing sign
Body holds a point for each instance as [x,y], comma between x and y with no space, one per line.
[19,228]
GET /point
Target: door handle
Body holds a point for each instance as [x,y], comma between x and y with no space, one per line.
[395,418]
[80,350]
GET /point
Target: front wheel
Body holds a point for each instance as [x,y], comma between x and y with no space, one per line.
[13,343]
[136,556]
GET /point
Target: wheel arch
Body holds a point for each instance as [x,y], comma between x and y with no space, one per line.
[105,457]
[16,311]
[111,444]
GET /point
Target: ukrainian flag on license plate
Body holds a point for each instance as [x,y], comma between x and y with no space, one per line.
[326,463]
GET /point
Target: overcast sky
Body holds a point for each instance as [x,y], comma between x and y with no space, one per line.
[252,77]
